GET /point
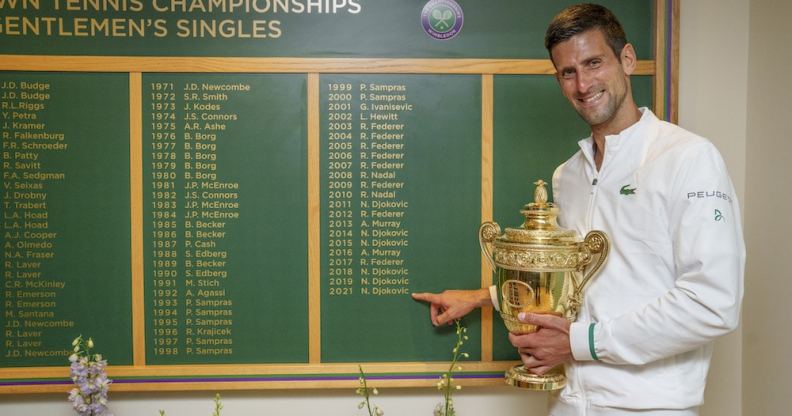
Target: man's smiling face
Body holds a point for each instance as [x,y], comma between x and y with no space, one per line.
[593,79]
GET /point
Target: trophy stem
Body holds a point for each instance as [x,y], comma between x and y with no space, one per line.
[519,376]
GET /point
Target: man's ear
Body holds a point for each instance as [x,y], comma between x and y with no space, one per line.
[628,59]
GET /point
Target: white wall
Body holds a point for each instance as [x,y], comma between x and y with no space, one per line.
[713,90]
[767,340]
[713,94]
[395,402]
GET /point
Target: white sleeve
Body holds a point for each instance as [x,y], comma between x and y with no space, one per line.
[493,291]
[709,259]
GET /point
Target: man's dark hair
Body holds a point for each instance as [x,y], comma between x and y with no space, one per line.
[579,18]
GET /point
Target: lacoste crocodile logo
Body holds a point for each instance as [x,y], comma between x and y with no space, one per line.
[626,190]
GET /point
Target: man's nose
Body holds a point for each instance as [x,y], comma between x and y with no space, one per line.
[584,82]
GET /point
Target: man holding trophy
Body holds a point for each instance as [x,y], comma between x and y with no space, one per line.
[639,339]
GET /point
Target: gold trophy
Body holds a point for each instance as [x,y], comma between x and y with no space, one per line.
[540,268]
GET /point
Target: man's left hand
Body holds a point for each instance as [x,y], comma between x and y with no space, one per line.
[545,348]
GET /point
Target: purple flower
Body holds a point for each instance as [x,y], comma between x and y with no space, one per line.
[89,397]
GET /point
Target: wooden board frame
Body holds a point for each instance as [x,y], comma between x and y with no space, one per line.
[314,374]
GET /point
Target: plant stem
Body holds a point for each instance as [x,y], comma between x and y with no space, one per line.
[365,390]
[454,359]
[218,405]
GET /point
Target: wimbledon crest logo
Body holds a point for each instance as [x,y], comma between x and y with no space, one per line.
[442,19]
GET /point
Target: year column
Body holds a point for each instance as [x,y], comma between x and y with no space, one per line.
[163,220]
[340,190]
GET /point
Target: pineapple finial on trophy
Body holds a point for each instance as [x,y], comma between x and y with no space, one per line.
[540,193]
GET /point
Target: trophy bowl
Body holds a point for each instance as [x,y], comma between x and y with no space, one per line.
[540,268]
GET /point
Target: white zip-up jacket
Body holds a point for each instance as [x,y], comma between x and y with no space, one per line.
[673,281]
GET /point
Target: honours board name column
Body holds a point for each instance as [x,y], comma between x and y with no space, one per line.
[384,206]
[64,162]
[225,218]
[192,206]
[210,202]
[366,193]
[30,293]
[400,191]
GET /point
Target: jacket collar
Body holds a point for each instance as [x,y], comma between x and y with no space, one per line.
[634,138]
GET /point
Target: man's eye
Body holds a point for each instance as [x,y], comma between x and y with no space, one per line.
[595,63]
[567,74]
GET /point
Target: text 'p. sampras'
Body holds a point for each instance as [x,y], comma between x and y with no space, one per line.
[239,19]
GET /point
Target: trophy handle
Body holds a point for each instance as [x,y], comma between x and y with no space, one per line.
[510,293]
[487,234]
[596,242]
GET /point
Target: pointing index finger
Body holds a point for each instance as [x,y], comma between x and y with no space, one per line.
[426,297]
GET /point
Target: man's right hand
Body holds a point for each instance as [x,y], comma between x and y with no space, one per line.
[451,305]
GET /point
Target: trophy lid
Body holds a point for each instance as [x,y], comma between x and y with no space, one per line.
[540,226]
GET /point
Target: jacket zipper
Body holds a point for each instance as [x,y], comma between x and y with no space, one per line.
[590,210]
[589,225]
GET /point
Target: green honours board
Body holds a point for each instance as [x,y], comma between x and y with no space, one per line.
[66,215]
[225,218]
[401,198]
[243,194]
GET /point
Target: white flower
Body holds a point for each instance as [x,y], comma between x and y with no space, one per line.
[375,391]
[90,343]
